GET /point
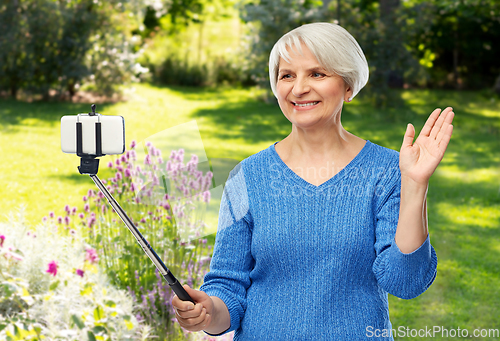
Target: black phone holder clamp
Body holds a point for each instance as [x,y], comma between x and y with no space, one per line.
[89,164]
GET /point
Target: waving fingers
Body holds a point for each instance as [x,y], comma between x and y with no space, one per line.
[442,123]
[426,130]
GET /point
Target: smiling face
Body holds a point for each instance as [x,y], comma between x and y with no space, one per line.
[309,95]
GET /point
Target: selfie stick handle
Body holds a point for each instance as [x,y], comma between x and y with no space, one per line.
[172,281]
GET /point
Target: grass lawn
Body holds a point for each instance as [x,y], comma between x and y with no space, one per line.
[463,198]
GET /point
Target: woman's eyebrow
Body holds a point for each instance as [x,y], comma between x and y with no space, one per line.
[314,68]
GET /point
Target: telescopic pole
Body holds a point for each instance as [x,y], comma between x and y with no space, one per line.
[162,268]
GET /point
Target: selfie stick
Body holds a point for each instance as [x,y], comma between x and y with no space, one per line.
[90,165]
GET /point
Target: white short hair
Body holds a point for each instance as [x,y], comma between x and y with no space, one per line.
[335,49]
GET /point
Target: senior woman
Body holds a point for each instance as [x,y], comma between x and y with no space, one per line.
[317,229]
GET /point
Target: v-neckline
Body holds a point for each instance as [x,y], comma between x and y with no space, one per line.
[304,183]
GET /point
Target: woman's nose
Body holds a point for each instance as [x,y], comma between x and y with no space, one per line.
[300,87]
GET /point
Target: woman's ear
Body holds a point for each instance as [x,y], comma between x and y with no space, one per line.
[348,92]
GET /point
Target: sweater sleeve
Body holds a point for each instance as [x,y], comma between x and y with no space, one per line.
[405,275]
[232,261]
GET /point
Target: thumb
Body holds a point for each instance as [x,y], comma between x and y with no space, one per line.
[197,295]
[409,135]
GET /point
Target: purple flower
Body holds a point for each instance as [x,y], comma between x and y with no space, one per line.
[132,144]
[2,239]
[51,214]
[91,193]
[80,272]
[127,173]
[59,220]
[67,220]
[66,208]
[110,164]
[44,219]
[81,216]
[52,268]
[118,162]
[73,210]
[90,221]
[85,198]
[86,208]
[147,160]
[91,255]
[119,176]
[206,196]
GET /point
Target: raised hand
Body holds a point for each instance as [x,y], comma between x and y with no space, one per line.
[418,160]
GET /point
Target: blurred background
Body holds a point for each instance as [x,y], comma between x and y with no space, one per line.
[55,49]
[164,63]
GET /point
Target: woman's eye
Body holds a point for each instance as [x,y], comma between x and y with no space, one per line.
[286,76]
[318,75]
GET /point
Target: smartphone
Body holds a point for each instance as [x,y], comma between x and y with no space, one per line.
[112,134]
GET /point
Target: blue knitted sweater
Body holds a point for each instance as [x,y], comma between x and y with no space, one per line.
[295,261]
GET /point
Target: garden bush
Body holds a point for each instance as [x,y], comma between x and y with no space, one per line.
[52,288]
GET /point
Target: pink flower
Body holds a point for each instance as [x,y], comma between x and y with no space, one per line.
[51,214]
[52,268]
[2,239]
[67,220]
[132,144]
[206,196]
[91,255]
[85,198]
[110,164]
[79,272]
[59,220]
[66,208]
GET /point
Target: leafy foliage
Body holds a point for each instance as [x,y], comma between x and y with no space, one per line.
[411,43]
[62,44]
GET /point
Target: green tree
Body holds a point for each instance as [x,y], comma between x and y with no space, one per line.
[462,41]
[52,44]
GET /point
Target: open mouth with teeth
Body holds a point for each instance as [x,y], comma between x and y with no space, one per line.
[305,104]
